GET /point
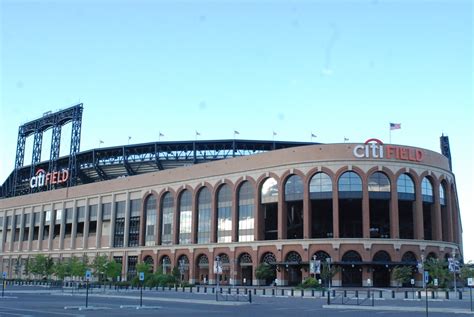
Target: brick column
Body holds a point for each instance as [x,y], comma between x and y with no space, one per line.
[307,219]
[365,210]
[418,213]
[394,219]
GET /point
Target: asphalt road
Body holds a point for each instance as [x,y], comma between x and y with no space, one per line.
[29,301]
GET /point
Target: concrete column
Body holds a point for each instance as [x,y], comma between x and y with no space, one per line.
[127,220]
[365,209]
[235,215]
[282,212]
[113,217]
[85,237]
[74,226]
[158,221]
[436,221]
[62,230]
[418,213]
[12,232]
[22,229]
[394,219]
[41,229]
[449,211]
[306,213]
[335,210]
[98,236]
[52,221]
[259,222]
[213,219]
[32,228]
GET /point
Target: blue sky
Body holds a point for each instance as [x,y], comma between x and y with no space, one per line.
[333,68]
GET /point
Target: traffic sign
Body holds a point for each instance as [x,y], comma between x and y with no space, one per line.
[142,276]
[412,281]
[4,275]
[88,275]
[470,281]
[435,282]
[426,276]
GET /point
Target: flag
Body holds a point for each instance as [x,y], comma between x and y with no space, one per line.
[197,133]
[395,126]
[236,132]
[274,133]
[346,139]
[100,141]
[161,134]
[313,135]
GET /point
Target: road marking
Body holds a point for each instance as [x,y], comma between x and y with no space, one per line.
[40,311]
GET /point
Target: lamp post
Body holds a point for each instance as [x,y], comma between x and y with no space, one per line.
[454,268]
[181,269]
[217,270]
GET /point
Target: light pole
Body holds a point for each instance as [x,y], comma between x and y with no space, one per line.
[181,269]
[217,269]
[328,261]
[454,269]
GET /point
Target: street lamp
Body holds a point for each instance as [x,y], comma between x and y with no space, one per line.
[328,261]
[217,270]
[181,269]
[453,266]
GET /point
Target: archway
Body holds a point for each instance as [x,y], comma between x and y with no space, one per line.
[202,269]
[245,263]
[293,265]
[381,271]
[351,269]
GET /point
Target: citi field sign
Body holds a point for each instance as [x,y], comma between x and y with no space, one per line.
[44,179]
[374,148]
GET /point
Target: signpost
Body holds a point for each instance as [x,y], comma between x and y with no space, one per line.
[141,277]
[4,276]
[412,282]
[470,283]
[426,278]
[88,277]
[217,270]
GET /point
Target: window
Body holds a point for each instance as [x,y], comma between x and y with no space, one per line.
[224,217]
[150,216]
[379,182]
[294,188]
[119,224]
[92,219]
[204,216]
[270,191]
[246,212]
[350,182]
[405,188]
[134,230]
[167,210]
[320,186]
[185,207]
[427,190]
[442,195]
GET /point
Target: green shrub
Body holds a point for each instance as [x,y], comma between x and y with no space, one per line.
[310,282]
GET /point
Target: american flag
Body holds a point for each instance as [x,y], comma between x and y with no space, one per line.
[395,126]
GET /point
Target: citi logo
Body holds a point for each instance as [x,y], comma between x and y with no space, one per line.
[44,179]
[374,148]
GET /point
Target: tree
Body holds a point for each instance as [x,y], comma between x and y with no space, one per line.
[78,267]
[467,271]
[176,275]
[327,271]
[113,269]
[438,269]
[265,272]
[41,265]
[61,269]
[99,265]
[402,274]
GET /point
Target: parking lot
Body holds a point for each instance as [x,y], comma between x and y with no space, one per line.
[38,301]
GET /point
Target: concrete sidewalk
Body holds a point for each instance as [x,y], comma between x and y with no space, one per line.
[401,308]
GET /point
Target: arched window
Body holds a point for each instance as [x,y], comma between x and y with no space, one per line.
[382,256]
[294,188]
[203,261]
[150,222]
[409,258]
[245,259]
[320,186]
[427,190]
[167,210]
[225,261]
[405,187]
[293,257]
[183,263]
[351,256]
[204,216]
[166,264]
[321,256]
[149,260]
[270,191]
[269,258]
[246,212]
[185,207]
[224,214]
[442,195]
[379,182]
[350,182]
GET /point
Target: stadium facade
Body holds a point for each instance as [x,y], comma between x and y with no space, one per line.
[368,206]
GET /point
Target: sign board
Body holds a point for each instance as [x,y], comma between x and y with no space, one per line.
[217,268]
[426,275]
[141,276]
[375,149]
[412,281]
[4,275]
[315,267]
[419,265]
[369,281]
[88,275]
[435,282]
[470,281]
[453,265]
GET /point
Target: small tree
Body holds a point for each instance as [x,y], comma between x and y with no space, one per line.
[328,271]
[61,269]
[467,271]
[265,272]
[402,274]
[41,265]
[99,265]
[113,269]
[176,275]
[438,269]
[78,267]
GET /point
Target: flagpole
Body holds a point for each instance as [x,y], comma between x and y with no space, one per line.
[389,134]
